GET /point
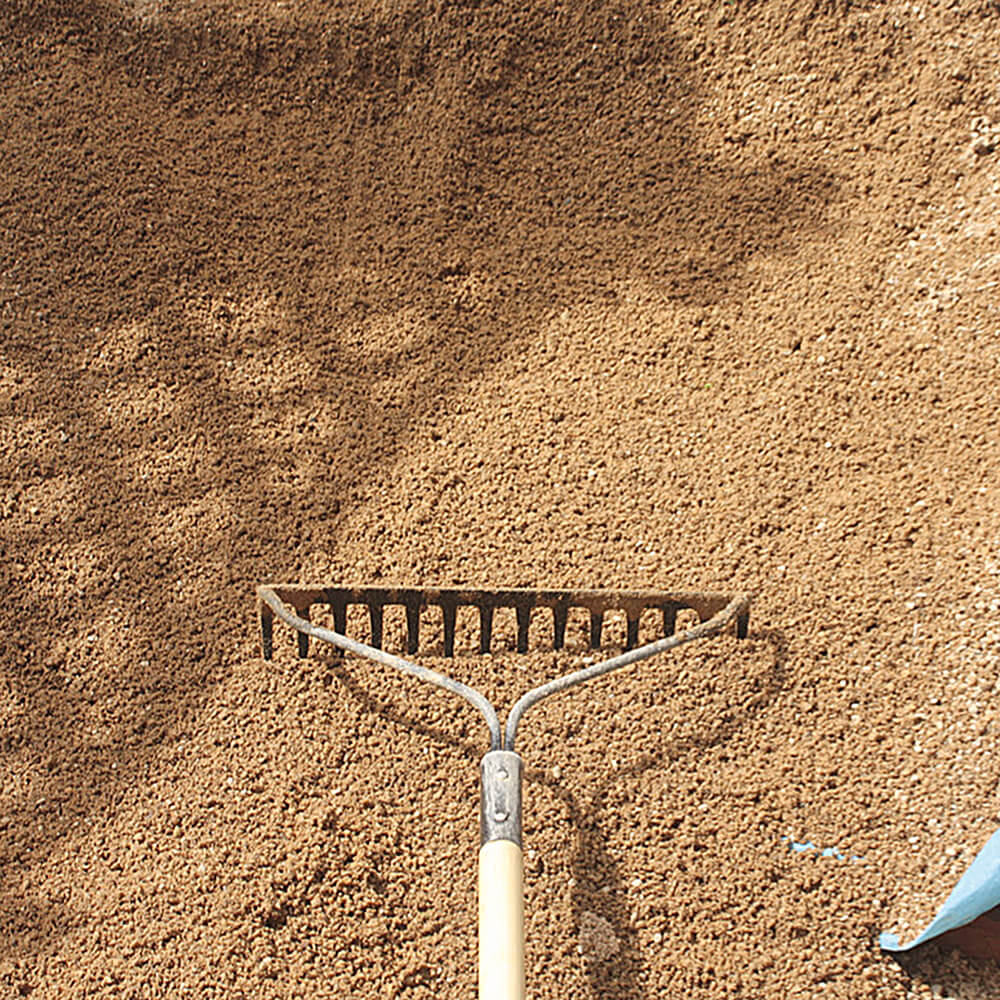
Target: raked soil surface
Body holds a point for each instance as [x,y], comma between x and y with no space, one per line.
[674,295]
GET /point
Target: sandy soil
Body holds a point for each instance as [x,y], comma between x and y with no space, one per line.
[692,296]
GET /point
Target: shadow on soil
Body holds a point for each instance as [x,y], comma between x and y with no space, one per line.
[245,265]
[940,963]
[471,749]
[598,890]
[598,897]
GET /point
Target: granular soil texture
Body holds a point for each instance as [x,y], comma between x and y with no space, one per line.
[685,296]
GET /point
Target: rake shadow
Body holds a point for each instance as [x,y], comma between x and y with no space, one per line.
[620,975]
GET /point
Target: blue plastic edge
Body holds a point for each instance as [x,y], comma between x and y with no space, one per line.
[978,891]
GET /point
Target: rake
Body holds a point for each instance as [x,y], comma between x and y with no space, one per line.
[501,866]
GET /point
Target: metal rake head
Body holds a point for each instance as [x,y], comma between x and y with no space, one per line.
[415,600]
[293,604]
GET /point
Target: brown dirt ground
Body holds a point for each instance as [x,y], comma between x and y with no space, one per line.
[692,296]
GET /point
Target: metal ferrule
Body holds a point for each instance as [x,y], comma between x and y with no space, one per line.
[501,796]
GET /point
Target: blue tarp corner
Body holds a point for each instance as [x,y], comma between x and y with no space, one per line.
[977,892]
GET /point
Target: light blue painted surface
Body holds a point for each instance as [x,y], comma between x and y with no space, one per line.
[978,890]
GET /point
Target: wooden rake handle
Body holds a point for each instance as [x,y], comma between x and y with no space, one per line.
[501,921]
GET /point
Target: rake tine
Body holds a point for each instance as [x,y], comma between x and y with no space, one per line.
[302,637]
[375,617]
[669,620]
[412,627]
[523,612]
[559,616]
[449,613]
[485,627]
[266,632]
[596,624]
[742,624]
[339,609]
[632,633]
